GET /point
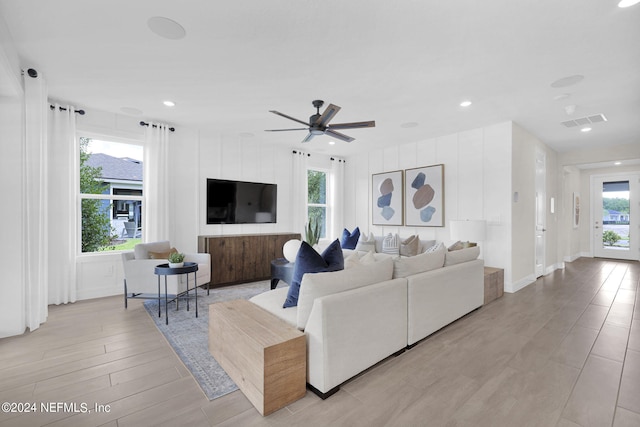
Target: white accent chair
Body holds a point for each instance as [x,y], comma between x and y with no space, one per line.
[140,280]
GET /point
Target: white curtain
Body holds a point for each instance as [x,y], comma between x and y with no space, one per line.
[155,209]
[337,197]
[61,188]
[299,196]
[35,202]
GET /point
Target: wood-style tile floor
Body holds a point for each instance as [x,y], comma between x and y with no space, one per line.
[564,351]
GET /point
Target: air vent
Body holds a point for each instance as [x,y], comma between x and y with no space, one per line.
[598,118]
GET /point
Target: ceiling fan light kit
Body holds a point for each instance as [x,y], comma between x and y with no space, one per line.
[319,123]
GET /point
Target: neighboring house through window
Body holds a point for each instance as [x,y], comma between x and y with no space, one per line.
[110,195]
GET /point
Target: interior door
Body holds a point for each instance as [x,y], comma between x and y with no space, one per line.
[615,206]
[541,196]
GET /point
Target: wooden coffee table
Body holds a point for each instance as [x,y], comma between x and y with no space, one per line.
[265,356]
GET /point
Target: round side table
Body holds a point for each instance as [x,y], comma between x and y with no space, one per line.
[165,270]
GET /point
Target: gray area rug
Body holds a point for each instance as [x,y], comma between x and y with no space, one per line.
[189,336]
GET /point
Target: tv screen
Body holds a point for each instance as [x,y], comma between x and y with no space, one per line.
[240,202]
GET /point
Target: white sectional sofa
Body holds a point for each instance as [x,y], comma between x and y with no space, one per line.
[356,317]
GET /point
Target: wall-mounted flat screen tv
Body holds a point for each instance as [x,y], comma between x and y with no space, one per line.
[240,202]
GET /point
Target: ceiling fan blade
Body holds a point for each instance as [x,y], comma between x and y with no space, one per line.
[308,138]
[327,115]
[354,125]
[284,130]
[338,135]
[288,117]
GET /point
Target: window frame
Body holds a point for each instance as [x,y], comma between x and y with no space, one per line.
[105,196]
[326,205]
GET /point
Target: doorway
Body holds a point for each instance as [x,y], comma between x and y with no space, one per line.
[615,216]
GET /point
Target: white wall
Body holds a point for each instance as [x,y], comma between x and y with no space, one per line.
[569,238]
[477,186]
[12,307]
[12,312]
[244,159]
[523,178]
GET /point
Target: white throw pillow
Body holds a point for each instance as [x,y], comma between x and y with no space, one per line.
[462,255]
[434,248]
[391,244]
[366,243]
[352,260]
[404,267]
[368,258]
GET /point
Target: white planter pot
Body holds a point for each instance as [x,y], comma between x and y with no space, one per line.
[176,264]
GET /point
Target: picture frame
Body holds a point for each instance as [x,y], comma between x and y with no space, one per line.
[387,190]
[424,196]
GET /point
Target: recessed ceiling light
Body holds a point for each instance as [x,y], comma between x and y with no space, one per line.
[587,129]
[568,81]
[169,103]
[617,163]
[165,27]
[465,103]
[332,143]
[628,3]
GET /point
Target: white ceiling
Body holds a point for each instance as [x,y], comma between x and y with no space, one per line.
[394,62]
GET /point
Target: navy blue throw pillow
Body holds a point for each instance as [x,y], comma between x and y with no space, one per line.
[350,240]
[309,260]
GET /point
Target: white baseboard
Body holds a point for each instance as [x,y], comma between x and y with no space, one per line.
[520,284]
[550,269]
[571,258]
[98,293]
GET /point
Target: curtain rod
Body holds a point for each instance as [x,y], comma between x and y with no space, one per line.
[155,126]
[81,112]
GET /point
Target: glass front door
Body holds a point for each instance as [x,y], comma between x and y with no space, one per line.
[613,211]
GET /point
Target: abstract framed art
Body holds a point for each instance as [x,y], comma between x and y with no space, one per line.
[386,198]
[424,196]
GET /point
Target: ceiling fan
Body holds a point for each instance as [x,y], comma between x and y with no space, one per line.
[319,123]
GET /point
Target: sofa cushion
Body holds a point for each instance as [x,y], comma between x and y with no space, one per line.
[349,240]
[391,244]
[410,246]
[321,284]
[309,260]
[462,255]
[404,267]
[366,243]
[272,302]
[141,250]
[351,260]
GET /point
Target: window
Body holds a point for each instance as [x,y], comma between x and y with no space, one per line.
[110,192]
[317,199]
